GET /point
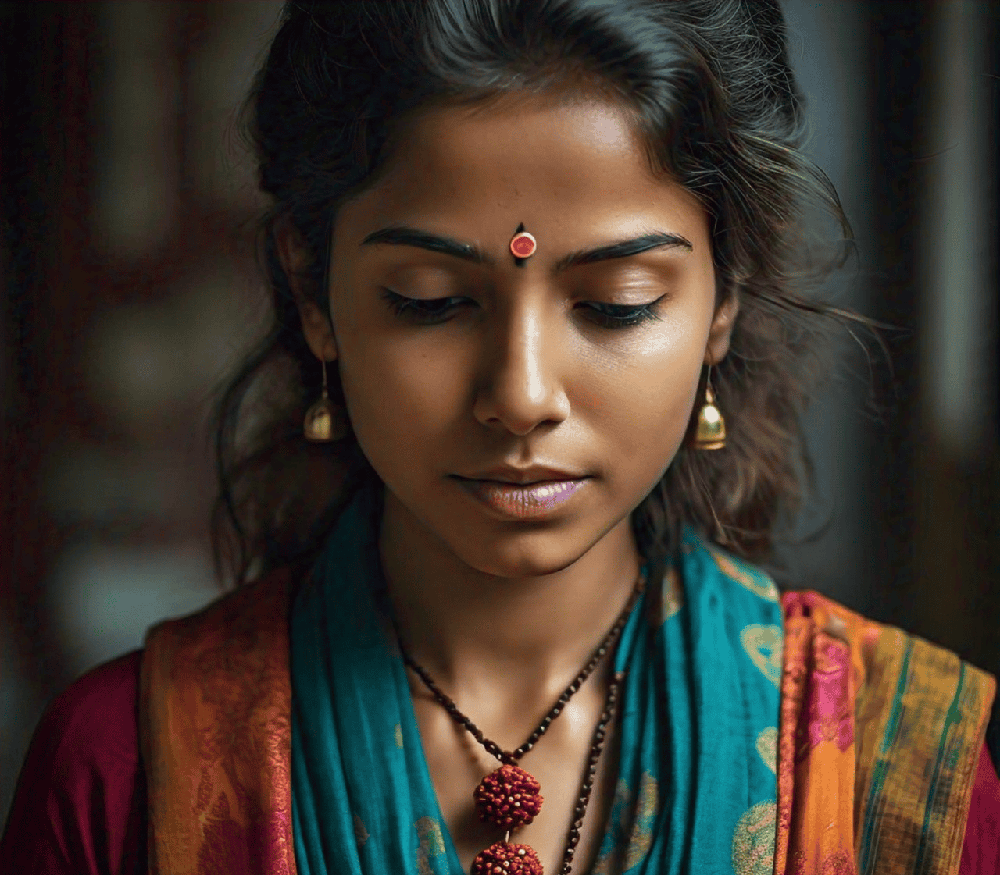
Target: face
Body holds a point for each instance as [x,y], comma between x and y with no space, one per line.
[462,366]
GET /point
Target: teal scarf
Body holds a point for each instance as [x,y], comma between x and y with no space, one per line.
[697,784]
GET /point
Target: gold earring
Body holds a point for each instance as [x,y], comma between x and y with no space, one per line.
[324,422]
[710,433]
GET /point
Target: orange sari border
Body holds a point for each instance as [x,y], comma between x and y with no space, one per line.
[215,736]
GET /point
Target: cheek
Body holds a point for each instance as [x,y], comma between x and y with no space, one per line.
[398,394]
[649,393]
[641,414]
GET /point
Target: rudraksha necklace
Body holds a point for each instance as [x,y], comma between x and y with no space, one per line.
[510,797]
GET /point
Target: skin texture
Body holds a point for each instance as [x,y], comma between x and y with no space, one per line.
[503,612]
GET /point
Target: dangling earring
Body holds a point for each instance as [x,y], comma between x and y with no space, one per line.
[324,422]
[710,433]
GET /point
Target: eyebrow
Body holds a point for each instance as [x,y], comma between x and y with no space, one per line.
[402,235]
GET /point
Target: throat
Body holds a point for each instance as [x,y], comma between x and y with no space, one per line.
[508,801]
[471,628]
[513,651]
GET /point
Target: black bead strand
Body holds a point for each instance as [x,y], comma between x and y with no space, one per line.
[511,758]
[599,737]
[587,786]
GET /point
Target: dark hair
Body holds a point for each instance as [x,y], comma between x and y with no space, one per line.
[709,86]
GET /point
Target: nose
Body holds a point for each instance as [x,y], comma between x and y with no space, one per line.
[521,384]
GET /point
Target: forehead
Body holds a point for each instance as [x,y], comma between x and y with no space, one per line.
[570,148]
[574,170]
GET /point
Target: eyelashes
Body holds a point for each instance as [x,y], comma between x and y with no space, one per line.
[431,310]
[623,315]
[435,311]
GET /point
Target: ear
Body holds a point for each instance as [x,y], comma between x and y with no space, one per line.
[295,261]
[722,328]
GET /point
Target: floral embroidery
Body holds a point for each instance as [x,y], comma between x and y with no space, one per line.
[830,713]
[673,594]
[749,578]
[605,863]
[767,747]
[224,839]
[431,843]
[763,644]
[753,840]
[671,601]
[838,863]
[642,829]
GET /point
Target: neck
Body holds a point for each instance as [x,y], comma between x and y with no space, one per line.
[475,631]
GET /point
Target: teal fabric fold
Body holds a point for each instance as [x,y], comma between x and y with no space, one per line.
[697,785]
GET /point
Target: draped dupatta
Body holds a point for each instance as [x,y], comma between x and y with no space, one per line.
[872,757]
[702,664]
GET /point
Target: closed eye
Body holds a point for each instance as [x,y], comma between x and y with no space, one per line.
[431,311]
[623,315]
[428,311]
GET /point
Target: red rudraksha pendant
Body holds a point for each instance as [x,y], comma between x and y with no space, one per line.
[508,797]
[504,859]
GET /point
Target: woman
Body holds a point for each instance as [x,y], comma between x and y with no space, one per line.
[536,271]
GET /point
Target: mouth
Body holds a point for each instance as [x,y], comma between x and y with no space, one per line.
[528,476]
[522,500]
[520,484]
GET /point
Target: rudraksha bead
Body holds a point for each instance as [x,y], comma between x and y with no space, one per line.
[505,859]
[508,797]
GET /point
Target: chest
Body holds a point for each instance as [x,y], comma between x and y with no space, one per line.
[561,762]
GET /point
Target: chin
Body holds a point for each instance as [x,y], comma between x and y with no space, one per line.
[533,555]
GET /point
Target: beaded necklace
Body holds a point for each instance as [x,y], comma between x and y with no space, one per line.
[510,797]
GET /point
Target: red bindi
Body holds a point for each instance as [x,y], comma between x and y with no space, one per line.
[523,245]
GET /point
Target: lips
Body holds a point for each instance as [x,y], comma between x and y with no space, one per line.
[523,476]
[522,500]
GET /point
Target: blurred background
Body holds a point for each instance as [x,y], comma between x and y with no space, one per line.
[130,287]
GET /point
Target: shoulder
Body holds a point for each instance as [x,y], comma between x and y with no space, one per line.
[95,716]
[240,638]
[261,602]
[80,794]
[922,726]
[899,673]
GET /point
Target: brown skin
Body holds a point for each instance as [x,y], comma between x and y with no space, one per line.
[503,612]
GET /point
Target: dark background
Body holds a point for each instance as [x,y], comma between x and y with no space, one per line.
[129,288]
